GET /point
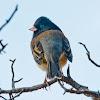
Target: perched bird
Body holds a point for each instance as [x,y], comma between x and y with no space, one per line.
[50,48]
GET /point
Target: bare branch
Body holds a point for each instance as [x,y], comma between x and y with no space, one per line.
[79,89]
[92,94]
[7,21]
[27,89]
[3,46]
[12,97]
[88,54]
[84,47]
[73,83]
[13,75]
[87,92]
[13,85]
[3,97]
[13,82]
[17,95]
[18,80]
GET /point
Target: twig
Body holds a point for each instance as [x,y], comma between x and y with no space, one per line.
[27,89]
[3,97]
[88,54]
[84,47]
[13,82]
[0,41]
[73,83]
[12,97]
[80,89]
[7,21]
[37,87]
[18,80]
[13,75]
[17,95]
[3,46]
[13,85]
[87,93]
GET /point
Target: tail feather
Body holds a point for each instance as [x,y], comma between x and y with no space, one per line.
[54,70]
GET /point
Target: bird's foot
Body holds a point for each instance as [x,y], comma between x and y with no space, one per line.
[45,81]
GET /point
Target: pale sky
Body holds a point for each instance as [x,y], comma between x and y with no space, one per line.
[80,22]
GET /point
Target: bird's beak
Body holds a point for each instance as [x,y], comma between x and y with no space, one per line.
[33,29]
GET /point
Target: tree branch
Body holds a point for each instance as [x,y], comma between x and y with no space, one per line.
[80,89]
[18,80]
[27,89]
[13,85]
[13,82]
[88,54]
[2,46]
[73,83]
[3,97]
[92,94]
[13,75]
[7,21]
[12,97]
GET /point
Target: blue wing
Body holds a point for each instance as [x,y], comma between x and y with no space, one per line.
[67,49]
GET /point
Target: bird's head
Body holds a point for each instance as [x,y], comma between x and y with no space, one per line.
[43,24]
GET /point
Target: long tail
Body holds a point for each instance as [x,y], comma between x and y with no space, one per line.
[53,70]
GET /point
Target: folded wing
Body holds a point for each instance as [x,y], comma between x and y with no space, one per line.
[37,51]
[67,49]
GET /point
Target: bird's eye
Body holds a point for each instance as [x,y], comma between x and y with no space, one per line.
[41,26]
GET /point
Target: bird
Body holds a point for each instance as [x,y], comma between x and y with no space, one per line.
[50,48]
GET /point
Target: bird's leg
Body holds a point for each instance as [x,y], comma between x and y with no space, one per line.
[45,81]
[62,76]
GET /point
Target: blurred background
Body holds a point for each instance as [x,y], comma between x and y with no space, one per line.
[79,21]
